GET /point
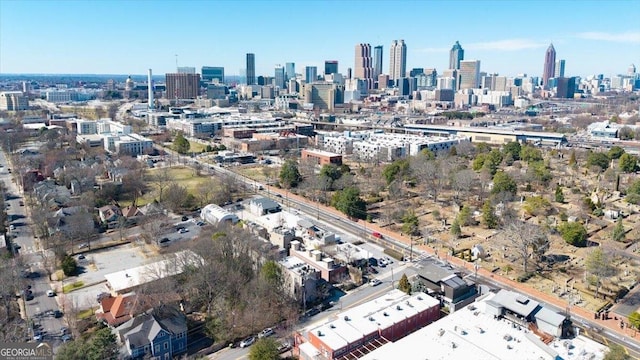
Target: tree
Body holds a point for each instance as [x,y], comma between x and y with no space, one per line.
[103,345]
[539,172]
[464,216]
[176,197]
[69,265]
[503,182]
[404,285]
[633,193]
[180,144]
[616,352]
[530,154]
[537,206]
[489,218]
[265,349]
[628,163]
[634,319]
[349,202]
[526,240]
[559,195]
[619,233]
[625,133]
[463,181]
[329,173]
[456,231]
[615,152]
[272,273]
[398,168]
[289,174]
[573,233]
[598,159]
[410,223]
[512,148]
[599,266]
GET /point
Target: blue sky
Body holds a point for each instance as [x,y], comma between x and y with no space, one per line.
[128,37]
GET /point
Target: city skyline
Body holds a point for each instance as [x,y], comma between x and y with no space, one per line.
[62,39]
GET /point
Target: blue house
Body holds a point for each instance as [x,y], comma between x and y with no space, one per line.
[160,333]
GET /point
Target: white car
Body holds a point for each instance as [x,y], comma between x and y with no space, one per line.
[12,227]
[247,342]
[265,333]
[51,293]
[375,282]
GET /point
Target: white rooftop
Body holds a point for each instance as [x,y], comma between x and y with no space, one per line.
[172,265]
[471,334]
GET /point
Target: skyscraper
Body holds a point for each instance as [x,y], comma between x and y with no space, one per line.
[290,71]
[310,74]
[455,56]
[397,60]
[330,67]
[559,70]
[182,85]
[251,69]
[469,74]
[363,64]
[209,73]
[279,77]
[377,61]
[186,70]
[549,66]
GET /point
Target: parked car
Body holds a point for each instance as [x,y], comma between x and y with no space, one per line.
[29,297]
[57,314]
[285,346]
[375,282]
[372,270]
[37,336]
[51,293]
[64,330]
[66,338]
[185,218]
[265,333]
[183,230]
[247,342]
[83,245]
[81,257]
[12,227]
[21,203]
[383,261]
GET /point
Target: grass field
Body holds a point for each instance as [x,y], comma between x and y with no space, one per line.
[196,147]
[70,287]
[183,176]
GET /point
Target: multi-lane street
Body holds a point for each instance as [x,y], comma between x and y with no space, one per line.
[40,308]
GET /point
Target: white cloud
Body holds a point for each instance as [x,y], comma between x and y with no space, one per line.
[625,37]
[506,45]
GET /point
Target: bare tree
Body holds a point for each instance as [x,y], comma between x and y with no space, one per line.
[162,179]
[527,241]
[599,266]
[153,226]
[463,181]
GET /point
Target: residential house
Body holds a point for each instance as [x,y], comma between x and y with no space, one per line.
[131,211]
[117,310]
[109,213]
[160,333]
[263,206]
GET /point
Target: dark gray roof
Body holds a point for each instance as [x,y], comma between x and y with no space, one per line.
[515,302]
[142,329]
[434,273]
[266,203]
[455,282]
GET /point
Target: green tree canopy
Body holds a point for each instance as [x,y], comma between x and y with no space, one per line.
[537,206]
[264,349]
[456,231]
[69,265]
[625,133]
[573,233]
[615,152]
[598,159]
[512,148]
[410,223]
[559,195]
[503,182]
[489,218]
[289,174]
[628,163]
[330,171]
[272,272]
[464,216]
[633,193]
[404,285]
[616,352]
[634,319]
[483,148]
[530,154]
[349,202]
[101,346]
[399,168]
[181,144]
[619,233]
[540,172]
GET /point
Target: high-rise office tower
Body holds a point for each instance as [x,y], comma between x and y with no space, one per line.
[377,61]
[455,56]
[349,73]
[549,66]
[279,76]
[469,74]
[186,70]
[290,71]
[363,64]
[559,69]
[397,60]
[182,85]
[310,74]
[565,87]
[631,70]
[416,71]
[330,67]
[251,69]
[211,73]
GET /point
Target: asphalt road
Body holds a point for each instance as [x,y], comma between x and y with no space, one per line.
[31,256]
